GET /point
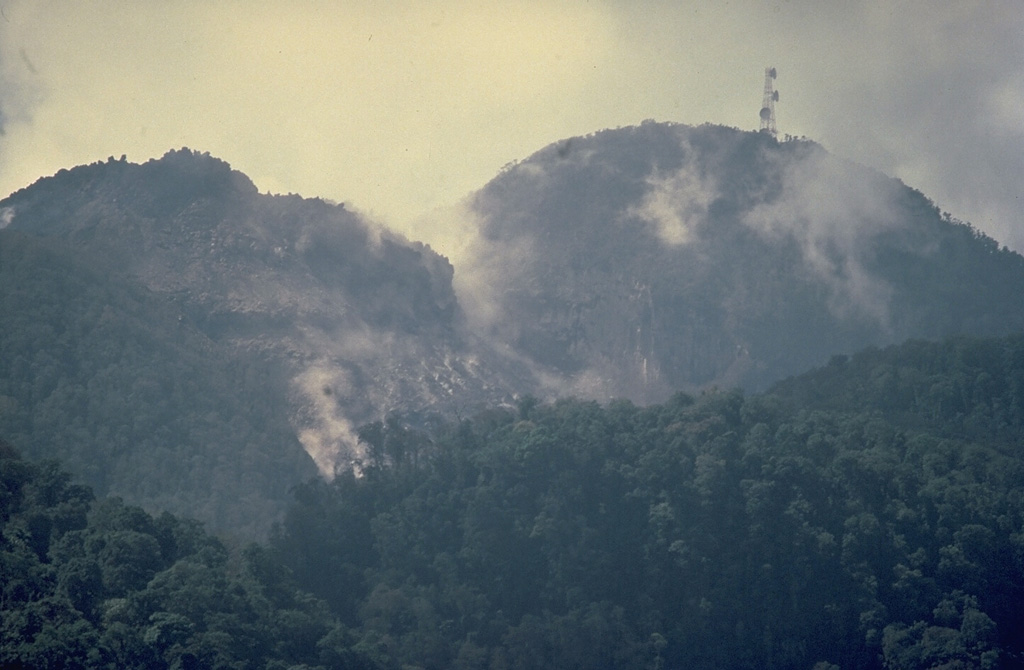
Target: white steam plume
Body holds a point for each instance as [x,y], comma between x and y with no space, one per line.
[834,210]
[487,268]
[329,437]
[676,204]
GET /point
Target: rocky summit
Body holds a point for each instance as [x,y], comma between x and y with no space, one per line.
[326,320]
[640,261]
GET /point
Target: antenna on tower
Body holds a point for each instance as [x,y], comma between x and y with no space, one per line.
[768,104]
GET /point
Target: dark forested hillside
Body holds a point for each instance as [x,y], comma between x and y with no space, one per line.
[98,584]
[175,336]
[640,261]
[780,530]
[721,531]
[121,385]
[963,388]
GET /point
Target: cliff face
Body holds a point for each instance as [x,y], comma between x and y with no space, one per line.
[333,320]
[189,226]
[643,260]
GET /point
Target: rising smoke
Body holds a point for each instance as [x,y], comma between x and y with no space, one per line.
[834,210]
[562,243]
[326,434]
[677,204]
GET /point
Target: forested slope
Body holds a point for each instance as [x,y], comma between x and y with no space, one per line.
[721,531]
[172,334]
[97,584]
[181,340]
[122,386]
[964,388]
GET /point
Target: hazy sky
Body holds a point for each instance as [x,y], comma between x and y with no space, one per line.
[397,107]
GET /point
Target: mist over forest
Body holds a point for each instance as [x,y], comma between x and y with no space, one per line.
[680,396]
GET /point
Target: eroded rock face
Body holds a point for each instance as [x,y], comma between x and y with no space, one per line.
[354,320]
[639,261]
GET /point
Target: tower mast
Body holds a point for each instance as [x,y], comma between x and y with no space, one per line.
[768,103]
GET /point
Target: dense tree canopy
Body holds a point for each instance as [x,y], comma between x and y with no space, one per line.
[867,515]
[120,385]
[90,583]
[710,532]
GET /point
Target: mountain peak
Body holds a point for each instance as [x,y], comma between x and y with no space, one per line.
[113,189]
[198,168]
[651,258]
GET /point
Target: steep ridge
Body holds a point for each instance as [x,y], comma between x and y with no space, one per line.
[336,320]
[119,384]
[642,260]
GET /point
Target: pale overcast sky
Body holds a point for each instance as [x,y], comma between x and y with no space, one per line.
[398,107]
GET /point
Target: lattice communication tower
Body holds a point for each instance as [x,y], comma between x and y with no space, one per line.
[771,96]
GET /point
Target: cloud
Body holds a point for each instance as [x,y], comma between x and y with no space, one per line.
[834,210]
[401,107]
[21,92]
[677,204]
[927,92]
[486,268]
[327,436]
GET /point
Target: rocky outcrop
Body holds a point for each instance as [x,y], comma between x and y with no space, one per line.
[639,261]
[359,321]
